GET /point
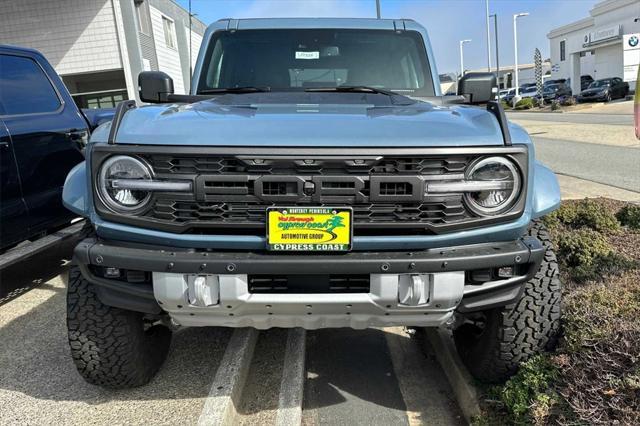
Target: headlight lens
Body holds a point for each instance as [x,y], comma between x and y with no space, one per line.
[504,174]
[123,200]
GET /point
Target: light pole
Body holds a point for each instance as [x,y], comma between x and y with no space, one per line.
[495,32]
[462,57]
[488,37]
[515,47]
[378,9]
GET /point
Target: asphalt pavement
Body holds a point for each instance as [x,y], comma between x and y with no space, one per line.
[595,146]
[576,117]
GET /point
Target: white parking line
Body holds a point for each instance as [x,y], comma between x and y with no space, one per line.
[220,408]
[293,377]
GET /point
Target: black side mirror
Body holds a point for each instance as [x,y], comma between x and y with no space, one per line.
[478,87]
[154,86]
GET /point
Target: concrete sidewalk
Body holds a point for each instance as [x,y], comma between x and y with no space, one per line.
[601,134]
[572,188]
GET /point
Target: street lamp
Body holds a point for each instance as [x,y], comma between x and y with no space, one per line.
[515,47]
[495,31]
[462,57]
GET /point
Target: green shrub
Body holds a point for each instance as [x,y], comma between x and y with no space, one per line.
[526,103]
[569,101]
[582,247]
[505,104]
[602,266]
[555,105]
[586,213]
[629,215]
[529,396]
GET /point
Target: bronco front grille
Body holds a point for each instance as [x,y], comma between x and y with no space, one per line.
[233,187]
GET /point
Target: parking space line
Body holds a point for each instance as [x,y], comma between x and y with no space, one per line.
[293,377]
[459,378]
[220,407]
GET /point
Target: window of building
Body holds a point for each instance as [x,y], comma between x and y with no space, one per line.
[169,32]
[25,87]
[100,100]
[144,19]
[562,50]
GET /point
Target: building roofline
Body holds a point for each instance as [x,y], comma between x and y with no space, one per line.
[598,9]
[574,26]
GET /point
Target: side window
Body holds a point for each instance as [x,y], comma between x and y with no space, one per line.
[24,87]
[169,32]
[563,53]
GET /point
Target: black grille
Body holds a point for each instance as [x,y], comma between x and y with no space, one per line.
[337,283]
[228,165]
[205,215]
[231,194]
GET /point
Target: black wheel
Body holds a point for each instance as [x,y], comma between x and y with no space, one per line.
[493,343]
[607,97]
[111,347]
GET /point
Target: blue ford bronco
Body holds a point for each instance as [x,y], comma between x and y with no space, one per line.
[314,177]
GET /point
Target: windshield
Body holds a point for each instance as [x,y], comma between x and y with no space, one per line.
[299,59]
[552,87]
[600,83]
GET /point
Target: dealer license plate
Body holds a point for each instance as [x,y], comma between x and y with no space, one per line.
[309,229]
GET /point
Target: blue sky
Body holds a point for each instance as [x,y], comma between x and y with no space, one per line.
[447,21]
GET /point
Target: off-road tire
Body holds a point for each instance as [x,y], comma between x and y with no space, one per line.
[516,332]
[110,346]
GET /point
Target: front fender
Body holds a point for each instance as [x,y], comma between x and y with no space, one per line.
[546,191]
[74,194]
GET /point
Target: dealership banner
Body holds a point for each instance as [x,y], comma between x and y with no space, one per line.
[631,52]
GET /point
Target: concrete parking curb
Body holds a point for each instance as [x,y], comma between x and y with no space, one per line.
[220,408]
[293,377]
[459,378]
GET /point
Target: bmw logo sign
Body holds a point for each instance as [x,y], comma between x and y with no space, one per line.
[633,41]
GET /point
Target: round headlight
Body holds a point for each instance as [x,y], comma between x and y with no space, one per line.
[502,177]
[117,198]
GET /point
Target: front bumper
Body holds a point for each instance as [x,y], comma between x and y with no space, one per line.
[446,273]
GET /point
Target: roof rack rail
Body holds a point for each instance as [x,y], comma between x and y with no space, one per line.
[121,110]
[495,108]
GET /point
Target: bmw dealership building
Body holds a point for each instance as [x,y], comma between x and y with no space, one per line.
[605,44]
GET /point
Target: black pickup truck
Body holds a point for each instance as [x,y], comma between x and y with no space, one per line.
[42,137]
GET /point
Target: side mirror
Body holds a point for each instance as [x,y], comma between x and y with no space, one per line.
[478,87]
[154,86]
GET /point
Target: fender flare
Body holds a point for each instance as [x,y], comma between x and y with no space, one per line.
[546,191]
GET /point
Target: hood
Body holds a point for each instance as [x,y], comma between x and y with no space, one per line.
[212,123]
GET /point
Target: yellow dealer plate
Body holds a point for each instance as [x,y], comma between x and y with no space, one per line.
[309,229]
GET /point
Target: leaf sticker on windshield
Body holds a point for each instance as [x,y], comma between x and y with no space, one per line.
[307,55]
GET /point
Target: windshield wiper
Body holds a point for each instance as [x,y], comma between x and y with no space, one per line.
[396,98]
[246,89]
[352,89]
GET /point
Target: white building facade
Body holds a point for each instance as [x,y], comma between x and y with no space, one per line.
[100,46]
[603,45]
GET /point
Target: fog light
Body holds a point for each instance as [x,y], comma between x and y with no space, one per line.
[505,272]
[112,272]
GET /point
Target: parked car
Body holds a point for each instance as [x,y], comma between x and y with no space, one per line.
[528,92]
[555,91]
[308,181]
[554,81]
[604,90]
[42,136]
[509,96]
